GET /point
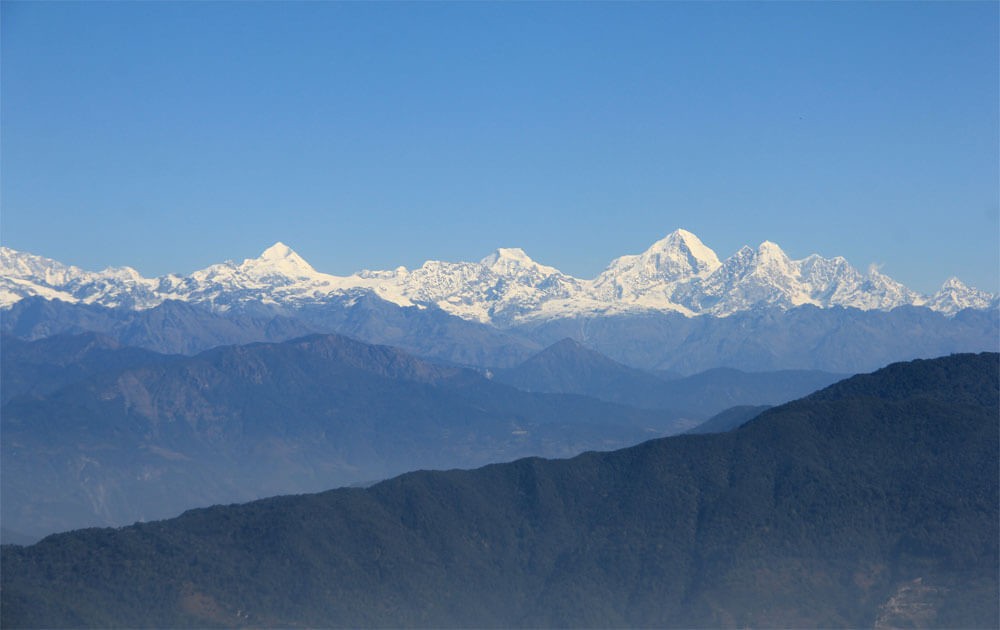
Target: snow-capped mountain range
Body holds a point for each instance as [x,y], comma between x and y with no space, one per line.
[678,273]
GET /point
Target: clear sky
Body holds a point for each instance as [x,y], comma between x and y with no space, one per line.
[169,136]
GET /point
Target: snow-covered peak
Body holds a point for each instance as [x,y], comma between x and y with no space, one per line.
[768,259]
[676,273]
[512,254]
[127,274]
[771,260]
[651,280]
[954,284]
[954,295]
[23,275]
[769,250]
[506,261]
[17,264]
[278,251]
[280,258]
[650,277]
[750,278]
[679,254]
[879,291]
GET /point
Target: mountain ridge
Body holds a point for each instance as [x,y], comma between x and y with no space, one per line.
[567,366]
[677,273]
[109,436]
[870,503]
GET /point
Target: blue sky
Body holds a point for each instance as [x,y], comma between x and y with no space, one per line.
[168,136]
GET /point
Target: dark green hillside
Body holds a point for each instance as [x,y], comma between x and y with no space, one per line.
[718,389]
[729,419]
[873,502]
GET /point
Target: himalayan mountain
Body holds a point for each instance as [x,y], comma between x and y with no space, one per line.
[676,308]
[677,274]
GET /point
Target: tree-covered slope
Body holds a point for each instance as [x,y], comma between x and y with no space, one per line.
[730,419]
[872,502]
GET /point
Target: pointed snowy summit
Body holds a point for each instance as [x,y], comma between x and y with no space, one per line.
[507,254]
[677,256]
[504,260]
[278,251]
[954,296]
[955,284]
[769,250]
[768,259]
[282,259]
[677,273]
[681,253]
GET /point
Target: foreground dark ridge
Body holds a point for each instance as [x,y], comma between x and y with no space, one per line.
[871,503]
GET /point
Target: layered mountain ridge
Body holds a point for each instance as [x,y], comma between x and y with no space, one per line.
[677,274]
[871,503]
[95,433]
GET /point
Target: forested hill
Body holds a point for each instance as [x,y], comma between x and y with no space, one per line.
[871,503]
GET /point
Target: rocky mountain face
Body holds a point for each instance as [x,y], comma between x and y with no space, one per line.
[678,274]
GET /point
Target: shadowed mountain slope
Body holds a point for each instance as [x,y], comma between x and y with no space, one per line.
[44,366]
[730,419]
[568,367]
[843,340]
[839,340]
[425,331]
[872,502]
[172,327]
[242,422]
[182,328]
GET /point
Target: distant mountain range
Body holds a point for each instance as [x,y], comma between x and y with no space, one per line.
[567,367]
[871,503]
[674,308]
[96,433]
[843,340]
[129,399]
[677,274]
